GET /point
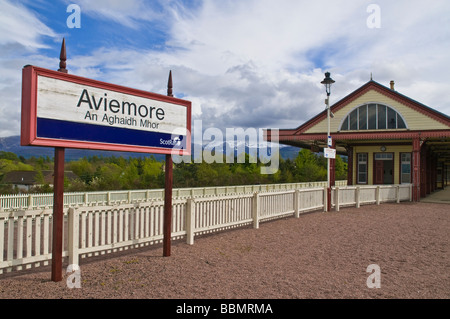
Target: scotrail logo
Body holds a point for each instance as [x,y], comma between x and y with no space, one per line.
[176,141]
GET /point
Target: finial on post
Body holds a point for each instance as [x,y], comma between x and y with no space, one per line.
[63,57]
[169,85]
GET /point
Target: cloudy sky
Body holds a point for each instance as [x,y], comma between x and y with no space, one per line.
[242,63]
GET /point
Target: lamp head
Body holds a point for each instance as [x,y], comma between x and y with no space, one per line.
[327,82]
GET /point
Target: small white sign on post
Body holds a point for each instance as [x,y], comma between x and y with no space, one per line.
[329,153]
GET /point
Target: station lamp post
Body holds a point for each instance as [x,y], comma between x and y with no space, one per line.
[327,82]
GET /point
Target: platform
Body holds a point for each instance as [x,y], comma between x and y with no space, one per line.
[440,196]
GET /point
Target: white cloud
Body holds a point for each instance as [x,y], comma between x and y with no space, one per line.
[18,25]
[278,51]
[259,63]
[130,13]
[22,35]
[272,34]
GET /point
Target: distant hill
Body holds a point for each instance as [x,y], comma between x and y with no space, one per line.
[12,144]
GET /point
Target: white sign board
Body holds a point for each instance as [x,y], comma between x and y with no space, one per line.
[329,153]
[85,113]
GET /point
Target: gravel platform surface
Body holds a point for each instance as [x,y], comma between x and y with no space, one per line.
[319,255]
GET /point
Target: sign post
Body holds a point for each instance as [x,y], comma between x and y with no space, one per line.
[167,226]
[61,110]
[58,214]
[167,223]
[58,193]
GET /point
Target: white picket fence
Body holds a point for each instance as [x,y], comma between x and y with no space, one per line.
[371,194]
[25,235]
[39,201]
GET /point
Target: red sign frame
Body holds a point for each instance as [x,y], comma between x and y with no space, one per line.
[29,125]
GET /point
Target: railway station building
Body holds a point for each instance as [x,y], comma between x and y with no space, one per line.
[387,137]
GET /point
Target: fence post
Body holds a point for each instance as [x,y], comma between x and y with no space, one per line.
[357,196]
[255,210]
[378,195]
[30,201]
[397,193]
[336,198]
[325,199]
[190,221]
[74,231]
[297,203]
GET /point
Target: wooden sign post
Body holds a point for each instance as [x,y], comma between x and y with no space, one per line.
[61,110]
[167,224]
[167,206]
[58,214]
[58,193]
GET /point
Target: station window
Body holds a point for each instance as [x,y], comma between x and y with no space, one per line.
[362,168]
[405,169]
[373,117]
[384,156]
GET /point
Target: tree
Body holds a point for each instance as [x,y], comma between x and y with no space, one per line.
[340,168]
[129,176]
[206,175]
[108,177]
[151,173]
[8,165]
[9,156]
[309,167]
[184,174]
[286,171]
[84,169]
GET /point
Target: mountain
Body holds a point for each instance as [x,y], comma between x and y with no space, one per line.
[286,152]
[12,144]
[289,152]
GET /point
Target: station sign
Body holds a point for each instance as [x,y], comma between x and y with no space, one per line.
[329,153]
[64,110]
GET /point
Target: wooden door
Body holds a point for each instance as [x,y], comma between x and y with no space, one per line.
[379,172]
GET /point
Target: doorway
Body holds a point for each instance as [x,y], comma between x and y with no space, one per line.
[384,168]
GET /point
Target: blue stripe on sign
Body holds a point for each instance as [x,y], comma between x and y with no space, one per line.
[64,130]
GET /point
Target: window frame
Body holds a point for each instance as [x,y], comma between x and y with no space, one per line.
[383,156]
[401,166]
[346,123]
[366,172]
